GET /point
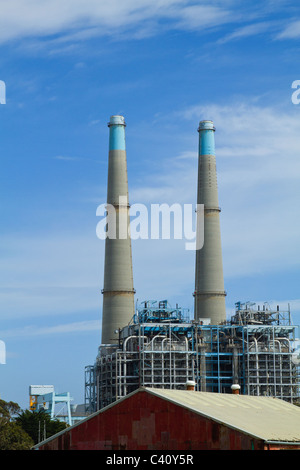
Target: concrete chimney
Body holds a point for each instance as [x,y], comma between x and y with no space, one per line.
[209,282]
[118,291]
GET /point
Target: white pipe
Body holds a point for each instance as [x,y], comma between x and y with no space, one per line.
[126,341]
[131,337]
[156,337]
[280,364]
[254,341]
[162,343]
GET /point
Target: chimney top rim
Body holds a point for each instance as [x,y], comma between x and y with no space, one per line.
[116,120]
[206,125]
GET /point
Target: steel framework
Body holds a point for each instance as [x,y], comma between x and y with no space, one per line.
[162,349]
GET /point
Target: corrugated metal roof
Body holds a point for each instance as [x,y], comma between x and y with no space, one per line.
[270,419]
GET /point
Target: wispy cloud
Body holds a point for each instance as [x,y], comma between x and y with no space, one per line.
[68,328]
[67,159]
[290,31]
[203,16]
[249,30]
[63,27]
[76,20]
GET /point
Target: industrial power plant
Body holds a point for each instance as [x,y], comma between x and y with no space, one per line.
[165,381]
[157,346]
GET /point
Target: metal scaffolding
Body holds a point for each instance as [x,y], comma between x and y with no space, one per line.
[161,348]
[90,390]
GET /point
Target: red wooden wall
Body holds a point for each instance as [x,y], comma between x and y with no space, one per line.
[146,422]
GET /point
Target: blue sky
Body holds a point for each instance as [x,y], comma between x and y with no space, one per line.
[165,66]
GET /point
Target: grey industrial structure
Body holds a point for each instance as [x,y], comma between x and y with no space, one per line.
[158,346]
[209,281]
[118,292]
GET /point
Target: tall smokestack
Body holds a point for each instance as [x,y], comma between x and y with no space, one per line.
[118,291]
[209,282]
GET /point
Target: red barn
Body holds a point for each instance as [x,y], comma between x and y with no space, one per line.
[160,419]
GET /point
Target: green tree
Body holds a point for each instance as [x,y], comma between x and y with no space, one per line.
[39,425]
[12,436]
[8,409]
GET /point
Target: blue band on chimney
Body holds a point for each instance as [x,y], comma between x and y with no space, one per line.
[206,142]
[117,137]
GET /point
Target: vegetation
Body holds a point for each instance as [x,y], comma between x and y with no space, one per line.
[39,425]
[20,430]
[12,436]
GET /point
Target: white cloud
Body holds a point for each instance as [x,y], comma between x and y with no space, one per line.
[66,23]
[32,330]
[248,30]
[66,158]
[202,16]
[80,20]
[291,31]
